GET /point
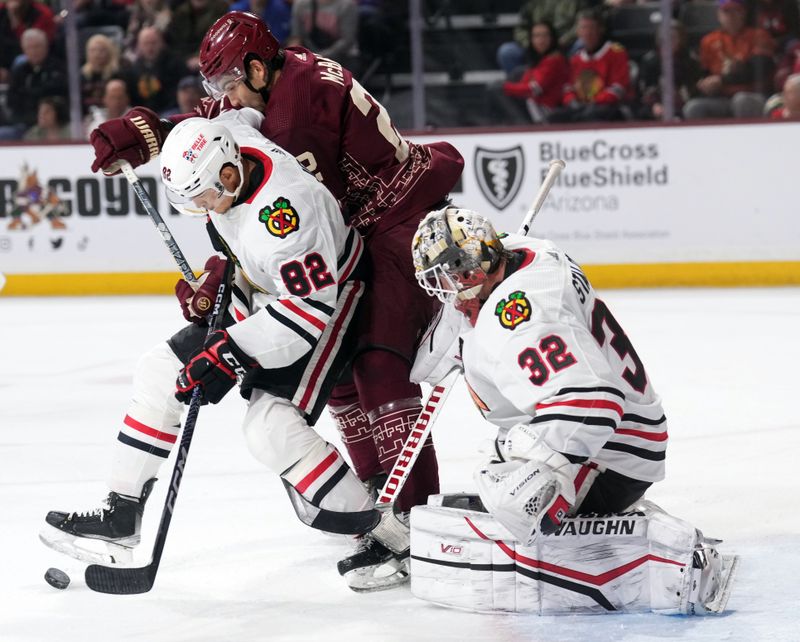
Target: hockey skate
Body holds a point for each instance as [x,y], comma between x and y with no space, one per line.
[712,578]
[373,567]
[380,560]
[105,535]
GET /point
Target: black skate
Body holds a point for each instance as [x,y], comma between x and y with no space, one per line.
[116,526]
[373,567]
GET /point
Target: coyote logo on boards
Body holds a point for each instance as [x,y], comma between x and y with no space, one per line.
[281,219]
[499,174]
[515,310]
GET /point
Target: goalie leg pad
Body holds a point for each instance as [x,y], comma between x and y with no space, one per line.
[637,561]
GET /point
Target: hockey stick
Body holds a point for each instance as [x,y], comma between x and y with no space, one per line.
[129,580]
[433,405]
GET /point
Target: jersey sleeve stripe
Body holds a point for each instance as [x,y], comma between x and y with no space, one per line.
[589,421]
[150,432]
[290,305]
[291,325]
[638,419]
[608,389]
[319,305]
[642,453]
[649,436]
[584,403]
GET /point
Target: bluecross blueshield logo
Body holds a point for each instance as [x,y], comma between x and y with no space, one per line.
[499,173]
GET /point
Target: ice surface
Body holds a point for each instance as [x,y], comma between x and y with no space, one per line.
[239,566]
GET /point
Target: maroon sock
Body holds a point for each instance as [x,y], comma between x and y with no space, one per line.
[355,430]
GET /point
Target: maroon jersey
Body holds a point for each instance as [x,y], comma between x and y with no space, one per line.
[320,114]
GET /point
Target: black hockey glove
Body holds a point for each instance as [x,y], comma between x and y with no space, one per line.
[215,369]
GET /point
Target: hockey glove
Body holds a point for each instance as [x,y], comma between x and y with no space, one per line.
[136,137]
[215,369]
[197,299]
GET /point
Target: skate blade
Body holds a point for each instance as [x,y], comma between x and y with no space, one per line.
[730,563]
[73,546]
[377,577]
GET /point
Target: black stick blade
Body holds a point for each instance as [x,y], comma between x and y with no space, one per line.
[119,581]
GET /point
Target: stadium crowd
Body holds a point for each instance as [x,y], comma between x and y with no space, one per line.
[568,60]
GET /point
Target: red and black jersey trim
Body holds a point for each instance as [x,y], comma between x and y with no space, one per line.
[608,389]
[643,420]
[319,305]
[658,455]
[312,341]
[590,421]
[140,445]
[348,248]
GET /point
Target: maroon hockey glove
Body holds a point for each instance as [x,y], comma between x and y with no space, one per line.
[135,137]
[215,369]
[197,299]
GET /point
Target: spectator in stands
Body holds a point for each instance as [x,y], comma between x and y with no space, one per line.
[599,75]
[511,56]
[102,63]
[51,121]
[781,19]
[147,13]
[738,62]
[155,71]
[276,13]
[16,16]
[541,87]
[190,93]
[38,76]
[789,106]
[101,13]
[116,103]
[327,27]
[190,21]
[686,73]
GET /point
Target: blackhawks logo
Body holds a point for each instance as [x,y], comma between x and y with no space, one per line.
[281,219]
[515,310]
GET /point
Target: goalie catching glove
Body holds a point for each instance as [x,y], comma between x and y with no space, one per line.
[215,369]
[136,137]
[533,490]
[197,299]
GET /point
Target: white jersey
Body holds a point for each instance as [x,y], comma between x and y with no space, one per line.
[546,350]
[290,240]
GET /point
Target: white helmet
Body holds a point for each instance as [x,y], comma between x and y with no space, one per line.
[193,155]
[453,251]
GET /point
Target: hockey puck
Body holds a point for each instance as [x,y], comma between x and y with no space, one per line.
[56,578]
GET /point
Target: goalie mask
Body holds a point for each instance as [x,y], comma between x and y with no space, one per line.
[454,250]
[192,158]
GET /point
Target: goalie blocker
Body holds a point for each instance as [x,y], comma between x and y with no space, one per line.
[637,561]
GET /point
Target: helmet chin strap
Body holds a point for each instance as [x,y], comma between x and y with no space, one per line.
[272,66]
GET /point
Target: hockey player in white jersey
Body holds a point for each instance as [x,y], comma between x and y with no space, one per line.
[581,432]
[299,280]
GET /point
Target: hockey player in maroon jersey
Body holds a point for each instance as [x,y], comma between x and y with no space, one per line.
[317,111]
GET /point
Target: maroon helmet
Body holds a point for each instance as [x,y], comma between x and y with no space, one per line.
[226,45]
